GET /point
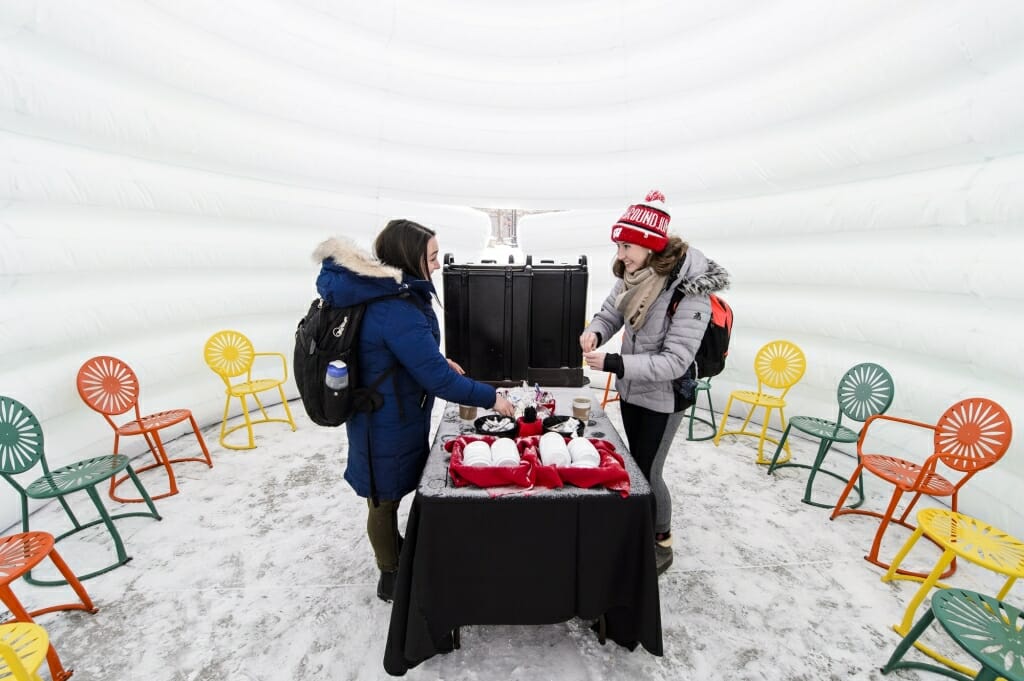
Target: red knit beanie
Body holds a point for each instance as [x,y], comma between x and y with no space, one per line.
[645,223]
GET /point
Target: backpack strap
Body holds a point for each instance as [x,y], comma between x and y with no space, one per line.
[673,303]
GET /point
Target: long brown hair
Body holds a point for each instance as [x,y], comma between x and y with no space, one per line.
[662,262]
[403,244]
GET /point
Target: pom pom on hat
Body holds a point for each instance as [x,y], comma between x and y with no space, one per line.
[645,223]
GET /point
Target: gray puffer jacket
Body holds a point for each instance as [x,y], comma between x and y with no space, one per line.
[663,348]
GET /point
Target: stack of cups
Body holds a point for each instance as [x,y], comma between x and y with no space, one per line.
[504,453]
[477,453]
[553,451]
[583,453]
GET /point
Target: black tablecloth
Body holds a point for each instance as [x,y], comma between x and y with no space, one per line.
[540,557]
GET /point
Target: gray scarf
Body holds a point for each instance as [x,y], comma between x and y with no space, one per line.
[638,292]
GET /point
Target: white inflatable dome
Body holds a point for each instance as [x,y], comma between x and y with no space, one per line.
[167,168]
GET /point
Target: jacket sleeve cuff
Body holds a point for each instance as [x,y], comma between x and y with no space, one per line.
[613,364]
[600,341]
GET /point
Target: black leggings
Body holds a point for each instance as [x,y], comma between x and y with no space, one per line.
[649,435]
[644,431]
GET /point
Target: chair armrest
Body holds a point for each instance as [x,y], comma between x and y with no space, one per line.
[886,417]
[284,362]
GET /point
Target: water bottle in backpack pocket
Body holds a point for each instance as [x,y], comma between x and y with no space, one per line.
[336,390]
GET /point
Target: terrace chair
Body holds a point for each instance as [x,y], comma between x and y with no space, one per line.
[230,355]
[703,386]
[21,448]
[778,365]
[110,387]
[864,390]
[23,647]
[19,554]
[970,436]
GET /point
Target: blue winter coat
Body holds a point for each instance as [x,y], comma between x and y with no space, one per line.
[396,330]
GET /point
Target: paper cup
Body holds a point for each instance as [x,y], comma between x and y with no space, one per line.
[581,408]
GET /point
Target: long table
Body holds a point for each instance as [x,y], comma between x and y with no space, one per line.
[536,557]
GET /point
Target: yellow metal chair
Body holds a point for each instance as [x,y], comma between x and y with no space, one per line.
[957,535]
[779,365]
[23,647]
[231,355]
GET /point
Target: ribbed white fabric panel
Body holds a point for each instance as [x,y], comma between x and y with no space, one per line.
[166,169]
[916,272]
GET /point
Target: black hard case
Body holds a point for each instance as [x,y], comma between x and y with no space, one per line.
[509,323]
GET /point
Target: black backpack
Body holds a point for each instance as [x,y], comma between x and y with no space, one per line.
[714,346]
[325,334]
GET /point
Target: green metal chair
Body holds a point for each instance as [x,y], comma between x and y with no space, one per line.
[986,628]
[21,448]
[703,384]
[864,390]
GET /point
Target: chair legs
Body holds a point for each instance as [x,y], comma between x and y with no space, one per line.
[886,519]
[57,670]
[156,448]
[896,659]
[249,422]
[693,417]
[823,447]
[607,390]
[762,436]
[912,634]
[20,614]
[107,519]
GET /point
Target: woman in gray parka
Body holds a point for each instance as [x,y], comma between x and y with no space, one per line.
[656,347]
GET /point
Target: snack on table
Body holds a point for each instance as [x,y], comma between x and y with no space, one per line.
[569,426]
[495,424]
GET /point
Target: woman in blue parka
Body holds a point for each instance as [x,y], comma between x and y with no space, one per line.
[402,332]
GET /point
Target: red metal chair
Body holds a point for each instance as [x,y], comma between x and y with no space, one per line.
[970,436]
[19,553]
[110,387]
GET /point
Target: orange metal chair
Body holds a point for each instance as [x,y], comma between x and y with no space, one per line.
[230,354]
[110,387]
[607,389]
[19,553]
[970,436]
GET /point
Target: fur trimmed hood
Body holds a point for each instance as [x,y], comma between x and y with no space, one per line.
[699,274]
[347,254]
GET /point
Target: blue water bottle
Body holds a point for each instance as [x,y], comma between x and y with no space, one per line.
[337,375]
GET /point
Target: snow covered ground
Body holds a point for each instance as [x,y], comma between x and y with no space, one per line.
[260,570]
